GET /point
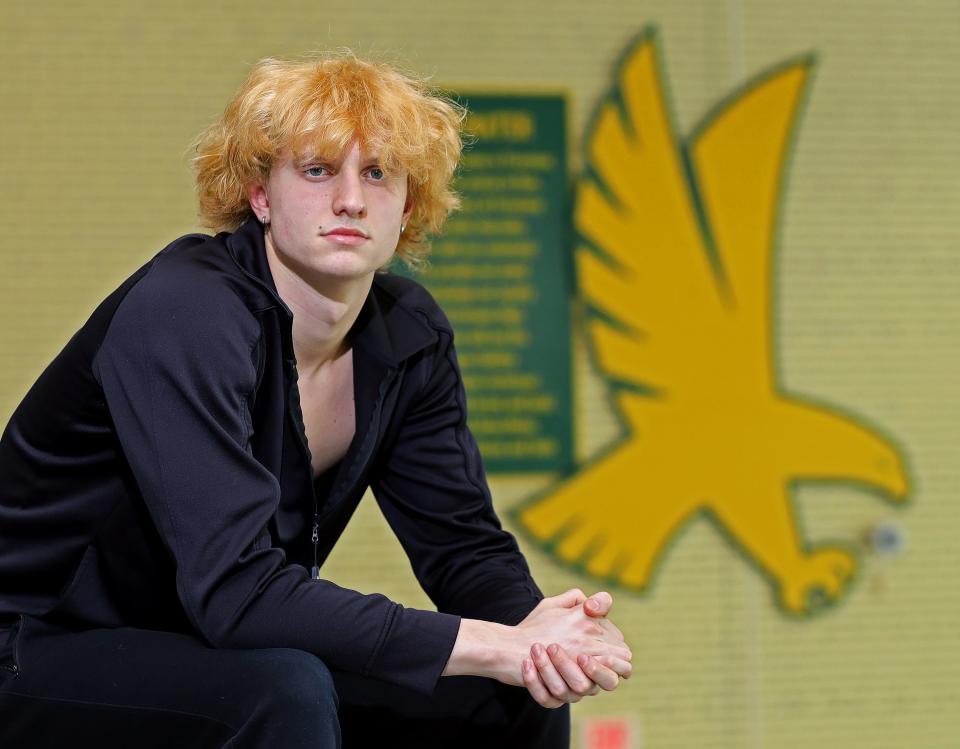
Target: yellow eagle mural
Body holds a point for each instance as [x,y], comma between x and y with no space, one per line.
[674,263]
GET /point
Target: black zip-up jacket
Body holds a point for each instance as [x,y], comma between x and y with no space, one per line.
[157,474]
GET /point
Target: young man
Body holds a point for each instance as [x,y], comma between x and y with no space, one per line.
[176,477]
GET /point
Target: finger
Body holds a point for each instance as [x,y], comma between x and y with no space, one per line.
[612,628]
[599,604]
[577,681]
[603,676]
[551,677]
[569,599]
[608,647]
[606,640]
[536,687]
[621,667]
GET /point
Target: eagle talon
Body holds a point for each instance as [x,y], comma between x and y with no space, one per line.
[818,580]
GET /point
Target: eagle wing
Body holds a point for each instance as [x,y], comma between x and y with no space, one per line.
[737,158]
[643,266]
[675,241]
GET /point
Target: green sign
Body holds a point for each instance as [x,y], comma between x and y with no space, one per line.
[501,273]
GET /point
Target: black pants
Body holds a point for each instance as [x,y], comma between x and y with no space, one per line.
[137,688]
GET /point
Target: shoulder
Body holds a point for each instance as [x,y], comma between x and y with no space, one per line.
[189,290]
[190,269]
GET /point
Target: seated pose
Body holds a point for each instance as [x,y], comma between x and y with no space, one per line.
[172,484]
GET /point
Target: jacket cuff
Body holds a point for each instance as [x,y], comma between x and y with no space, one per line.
[415,648]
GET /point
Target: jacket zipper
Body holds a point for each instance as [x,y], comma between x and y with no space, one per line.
[305,452]
[314,537]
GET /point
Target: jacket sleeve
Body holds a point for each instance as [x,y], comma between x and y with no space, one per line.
[177,372]
[434,494]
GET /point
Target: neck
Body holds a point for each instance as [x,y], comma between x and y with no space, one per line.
[324,310]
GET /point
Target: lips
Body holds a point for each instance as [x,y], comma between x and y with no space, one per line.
[345,235]
[347,231]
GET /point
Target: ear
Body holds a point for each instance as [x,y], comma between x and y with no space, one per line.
[407,212]
[259,200]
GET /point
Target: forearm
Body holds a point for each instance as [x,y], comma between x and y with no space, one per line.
[347,630]
[486,649]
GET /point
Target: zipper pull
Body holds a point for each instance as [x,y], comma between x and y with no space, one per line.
[315,537]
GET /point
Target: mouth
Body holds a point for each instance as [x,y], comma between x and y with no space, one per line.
[345,235]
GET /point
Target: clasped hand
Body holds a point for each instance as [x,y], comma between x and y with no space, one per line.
[575,650]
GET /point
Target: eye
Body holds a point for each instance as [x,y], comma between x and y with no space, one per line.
[316,171]
[376,173]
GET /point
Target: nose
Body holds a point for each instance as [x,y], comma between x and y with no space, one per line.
[348,198]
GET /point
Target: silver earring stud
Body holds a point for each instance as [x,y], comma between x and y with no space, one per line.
[403,228]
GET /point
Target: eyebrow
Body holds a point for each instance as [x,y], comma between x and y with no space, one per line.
[312,157]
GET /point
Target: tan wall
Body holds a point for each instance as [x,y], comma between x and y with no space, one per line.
[101,100]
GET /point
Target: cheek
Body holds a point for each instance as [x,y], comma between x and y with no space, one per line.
[300,213]
[392,208]
[300,202]
[289,226]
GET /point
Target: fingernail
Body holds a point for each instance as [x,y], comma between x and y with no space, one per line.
[582,659]
[537,650]
[592,605]
[553,649]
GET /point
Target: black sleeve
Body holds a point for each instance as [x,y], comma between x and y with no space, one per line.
[433,492]
[176,371]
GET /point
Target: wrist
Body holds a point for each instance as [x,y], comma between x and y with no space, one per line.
[485,649]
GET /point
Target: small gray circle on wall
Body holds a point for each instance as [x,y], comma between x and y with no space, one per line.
[887,539]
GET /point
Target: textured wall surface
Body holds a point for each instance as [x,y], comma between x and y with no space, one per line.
[101,101]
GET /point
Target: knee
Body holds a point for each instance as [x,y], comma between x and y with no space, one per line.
[295,679]
[288,700]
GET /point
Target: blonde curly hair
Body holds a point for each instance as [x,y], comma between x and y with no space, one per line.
[320,104]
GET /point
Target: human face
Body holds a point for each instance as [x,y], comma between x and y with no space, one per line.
[332,218]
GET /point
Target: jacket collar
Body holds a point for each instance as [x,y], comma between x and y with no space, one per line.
[385,327]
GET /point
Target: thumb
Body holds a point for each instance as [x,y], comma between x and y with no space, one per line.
[573,597]
[599,604]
